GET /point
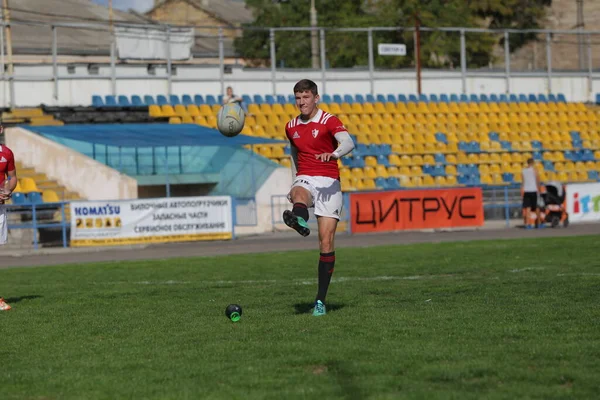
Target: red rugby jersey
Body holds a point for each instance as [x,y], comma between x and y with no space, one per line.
[312,137]
[7,162]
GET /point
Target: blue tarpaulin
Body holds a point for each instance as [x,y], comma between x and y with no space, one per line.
[148,135]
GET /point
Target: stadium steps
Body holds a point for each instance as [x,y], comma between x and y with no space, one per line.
[32,116]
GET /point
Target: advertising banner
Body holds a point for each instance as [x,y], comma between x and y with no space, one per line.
[175,219]
[583,202]
[416,209]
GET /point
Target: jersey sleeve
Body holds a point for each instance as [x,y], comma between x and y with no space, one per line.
[10,165]
[334,125]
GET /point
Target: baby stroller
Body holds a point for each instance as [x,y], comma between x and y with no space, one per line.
[553,210]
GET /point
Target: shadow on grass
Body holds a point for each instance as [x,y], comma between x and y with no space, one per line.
[19,299]
[303,308]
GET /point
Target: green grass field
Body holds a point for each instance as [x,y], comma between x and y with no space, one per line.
[470,320]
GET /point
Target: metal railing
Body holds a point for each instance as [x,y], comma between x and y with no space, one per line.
[46,223]
[552,53]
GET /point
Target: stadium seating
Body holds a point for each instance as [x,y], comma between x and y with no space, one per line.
[32,116]
[406,141]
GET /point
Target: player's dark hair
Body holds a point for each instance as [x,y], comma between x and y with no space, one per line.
[530,161]
[306,85]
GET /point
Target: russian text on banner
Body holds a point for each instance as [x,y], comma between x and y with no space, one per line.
[174,219]
[583,202]
[416,209]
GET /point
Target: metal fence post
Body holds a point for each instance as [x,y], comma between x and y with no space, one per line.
[168,184]
[113,67]
[371,61]
[54,62]
[64,224]
[169,80]
[34,226]
[463,61]
[506,207]
[221,60]
[323,61]
[273,60]
[507,60]
[549,60]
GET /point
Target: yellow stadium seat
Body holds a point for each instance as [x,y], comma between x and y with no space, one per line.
[416,181]
[28,185]
[451,159]
[368,108]
[200,120]
[379,108]
[369,184]
[484,169]
[393,171]
[285,162]
[205,109]
[167,111]
[175,120]
[291,108]
[381,171]
[154,111]
[334,108]
[278,109]
[486,179]
[187,119]
[346,108]
[428,181]
[211,121]
[192,110]
[369,172]
[50,196]
[180,110]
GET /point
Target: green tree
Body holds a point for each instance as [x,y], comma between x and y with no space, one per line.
[349,49]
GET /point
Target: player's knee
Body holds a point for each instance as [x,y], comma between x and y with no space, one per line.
[300,195]
[326,242]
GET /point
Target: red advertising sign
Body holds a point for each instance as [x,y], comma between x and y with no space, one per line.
[416,209]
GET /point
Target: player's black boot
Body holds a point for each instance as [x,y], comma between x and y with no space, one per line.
[296,222]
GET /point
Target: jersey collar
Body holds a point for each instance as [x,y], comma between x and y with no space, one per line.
[316,118]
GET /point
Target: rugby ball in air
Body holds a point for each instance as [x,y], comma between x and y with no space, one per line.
[230,119]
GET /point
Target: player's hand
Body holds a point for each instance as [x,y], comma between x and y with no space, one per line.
[326,156]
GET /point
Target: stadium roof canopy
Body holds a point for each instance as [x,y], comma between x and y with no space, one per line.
[147,135]
[89,34]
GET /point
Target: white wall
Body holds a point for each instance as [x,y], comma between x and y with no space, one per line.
[278,183]
[78,173]
[77,88]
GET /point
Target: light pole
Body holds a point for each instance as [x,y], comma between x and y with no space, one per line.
[314,40]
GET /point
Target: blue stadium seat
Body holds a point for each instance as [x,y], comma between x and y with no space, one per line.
[538,156]
[441,137]
[462,179]
[552,98]
[326,99]
[402,98]
[199,100]
[423,98]
[537,145]
[391,98]
[161,100]
[220,99]
[494,98]
[474,146]
[444,98]
[439,158]
[360,149]
[35,197]
[561,98]
[211,100]
[174,100]
[372,150]
[393,183]
[291,98]
[413,98]
[533,98]
[506,145]
[464,98]
[484,98]
[246,99]
[385,150]
[269,99]
[383,160]
[380,98]
[337,99]
[281,99]
[370,98]
[186,100]
[346,161]
[575,135]
[523,98]
[359,98]
[494,136]
[542,98]
[381,183]
[577,144]
[348,99]
[439,170]
[97,101]
[548,165]
[513,98]
[136,101]
[503,98]
[427,169]
[474,98]
[568,154]
[19,198]
[507,177]
[257,98]
[454,98]
[110,100]
[123,101]
[587,155]
[593,175]
[597,98]
[149,100]
[433,98]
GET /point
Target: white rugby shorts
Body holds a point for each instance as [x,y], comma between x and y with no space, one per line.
[3,225]
[326,194]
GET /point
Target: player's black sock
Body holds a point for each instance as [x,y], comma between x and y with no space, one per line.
[326,264]
[300,210]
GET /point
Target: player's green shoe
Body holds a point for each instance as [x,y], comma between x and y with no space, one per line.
[296,223]
[319,309]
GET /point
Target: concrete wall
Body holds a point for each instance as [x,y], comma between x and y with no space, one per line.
[77,88]
[278,183]
[78,173]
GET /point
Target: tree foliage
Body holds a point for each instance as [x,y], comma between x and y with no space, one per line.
[350,49]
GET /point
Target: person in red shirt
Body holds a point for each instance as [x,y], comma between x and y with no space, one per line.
[8,182]
[317,139]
